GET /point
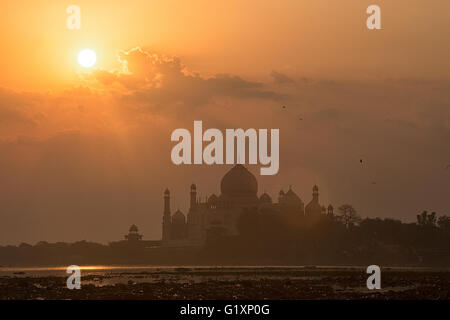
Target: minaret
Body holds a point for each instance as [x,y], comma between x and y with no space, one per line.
[193,197]
[280,196]
[166,217]
[315,194]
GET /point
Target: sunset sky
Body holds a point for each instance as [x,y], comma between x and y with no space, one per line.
[85,152]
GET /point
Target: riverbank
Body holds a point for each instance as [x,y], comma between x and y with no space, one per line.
[230,283]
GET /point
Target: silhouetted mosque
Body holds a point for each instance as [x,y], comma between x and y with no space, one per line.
[220,214]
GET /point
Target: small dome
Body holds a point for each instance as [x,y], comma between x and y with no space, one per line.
[281,193]
[178,217]
[133,228]
[167,192]
[291,198]
[239,182]
[265,198]
[213,199]
[314,207]
[193,186]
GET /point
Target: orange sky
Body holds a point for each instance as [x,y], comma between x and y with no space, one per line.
[90,147]
[322,38]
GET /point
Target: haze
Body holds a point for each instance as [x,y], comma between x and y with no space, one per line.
[85,154]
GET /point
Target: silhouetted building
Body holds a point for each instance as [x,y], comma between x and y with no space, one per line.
[219,215]
[330,211]
[313,207]
[134,240]
[133,234]
[290,202]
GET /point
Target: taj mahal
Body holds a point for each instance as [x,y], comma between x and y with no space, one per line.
[220,214]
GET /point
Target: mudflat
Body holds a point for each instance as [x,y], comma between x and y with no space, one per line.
[229,283]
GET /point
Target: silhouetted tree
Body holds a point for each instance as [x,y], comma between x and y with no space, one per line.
[444,223]
[426,219]
[275,238]
[348,215]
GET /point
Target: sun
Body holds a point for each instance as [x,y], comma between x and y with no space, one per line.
[87,58]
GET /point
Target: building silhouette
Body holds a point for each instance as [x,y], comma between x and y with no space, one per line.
[133,234]
[219,215]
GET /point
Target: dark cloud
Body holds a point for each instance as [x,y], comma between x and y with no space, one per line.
[281,78]
[156,80]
